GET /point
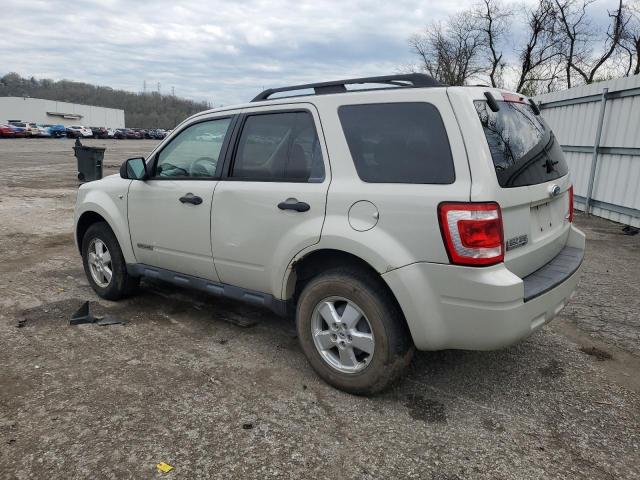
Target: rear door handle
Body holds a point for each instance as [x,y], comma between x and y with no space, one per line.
[293,204]
[191,198]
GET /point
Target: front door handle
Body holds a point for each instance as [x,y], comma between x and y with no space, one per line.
[191,198]
[293,204]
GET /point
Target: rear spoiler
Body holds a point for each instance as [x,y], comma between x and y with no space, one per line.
[494,106]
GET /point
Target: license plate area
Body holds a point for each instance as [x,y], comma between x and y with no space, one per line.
[546,218]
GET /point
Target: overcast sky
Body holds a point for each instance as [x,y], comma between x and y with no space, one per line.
[220,51]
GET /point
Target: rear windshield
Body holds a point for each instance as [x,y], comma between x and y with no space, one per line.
[523,147]
[398,143]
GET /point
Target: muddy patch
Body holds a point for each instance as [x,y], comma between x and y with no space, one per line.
[426,409]
[599,354]
[552,370]
[492,425]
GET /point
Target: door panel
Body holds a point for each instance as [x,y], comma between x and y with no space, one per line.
[253,239]
[168,233]
[259,220]
[170,214]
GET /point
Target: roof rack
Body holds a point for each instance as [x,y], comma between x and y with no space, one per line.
[414,80]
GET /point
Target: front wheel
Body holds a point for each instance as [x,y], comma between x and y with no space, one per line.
[104,263]
[352,331]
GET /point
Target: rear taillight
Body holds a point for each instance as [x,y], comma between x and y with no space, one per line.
[472,233]
[570,215]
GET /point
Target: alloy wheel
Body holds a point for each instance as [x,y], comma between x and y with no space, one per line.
[342,334]
[100,265]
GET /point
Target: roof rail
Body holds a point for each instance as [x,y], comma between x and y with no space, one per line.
[338,86]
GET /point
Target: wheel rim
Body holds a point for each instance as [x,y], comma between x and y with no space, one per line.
[100,265]
[342,334]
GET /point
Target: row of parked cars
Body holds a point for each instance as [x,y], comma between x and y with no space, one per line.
[16,129]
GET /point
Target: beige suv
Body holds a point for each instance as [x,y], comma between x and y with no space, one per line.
[406,215]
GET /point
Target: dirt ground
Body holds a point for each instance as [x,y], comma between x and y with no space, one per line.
[221,390]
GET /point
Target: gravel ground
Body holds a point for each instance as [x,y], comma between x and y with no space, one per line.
[221,390]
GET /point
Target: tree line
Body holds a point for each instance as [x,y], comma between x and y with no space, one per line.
[558,46]
[142,110]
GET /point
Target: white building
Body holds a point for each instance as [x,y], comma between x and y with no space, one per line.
[51,112]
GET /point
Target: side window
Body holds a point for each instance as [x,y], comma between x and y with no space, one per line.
[195,151]
[398,143]
[279,147]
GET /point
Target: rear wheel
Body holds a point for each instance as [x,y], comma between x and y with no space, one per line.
[104,263]
[352,331]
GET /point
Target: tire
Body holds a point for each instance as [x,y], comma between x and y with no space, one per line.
[120,284]
[392,344]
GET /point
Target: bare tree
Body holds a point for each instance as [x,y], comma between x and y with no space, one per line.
[560,46]
[541,48]
[492,21]
[588,68]
[450,51]
[630,42]
[573,23]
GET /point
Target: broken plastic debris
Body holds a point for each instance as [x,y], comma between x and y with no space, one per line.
[82,315]
[164,467]
[109,320]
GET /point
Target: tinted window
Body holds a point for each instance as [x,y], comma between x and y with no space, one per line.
[279,146]
[398,143]
[195,151]
[523,147]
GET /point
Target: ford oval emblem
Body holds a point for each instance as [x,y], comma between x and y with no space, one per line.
[554,190]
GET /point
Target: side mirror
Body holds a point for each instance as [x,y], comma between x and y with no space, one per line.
[134,169]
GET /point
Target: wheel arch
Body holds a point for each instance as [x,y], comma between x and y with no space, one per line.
[303,269]
[306,267]
[93,213]
[84,222]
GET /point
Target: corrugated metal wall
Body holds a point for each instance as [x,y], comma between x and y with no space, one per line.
[574,116]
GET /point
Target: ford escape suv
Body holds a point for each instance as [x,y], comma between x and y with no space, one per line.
[401,216]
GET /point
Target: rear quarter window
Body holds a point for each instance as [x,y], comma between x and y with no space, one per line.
[398,143]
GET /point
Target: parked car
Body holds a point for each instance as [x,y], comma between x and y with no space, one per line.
[443,219]
[99,132]
[133,134]
[57,130]
[6,131]
[43,132]
[30,129]
[79,131]
[139,133]
[159,134]
[18,132]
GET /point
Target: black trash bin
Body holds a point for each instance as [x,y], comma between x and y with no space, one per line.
[89,161]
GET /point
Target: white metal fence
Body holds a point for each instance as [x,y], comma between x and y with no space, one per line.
[598,126]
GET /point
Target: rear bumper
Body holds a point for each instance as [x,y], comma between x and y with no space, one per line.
[448,306]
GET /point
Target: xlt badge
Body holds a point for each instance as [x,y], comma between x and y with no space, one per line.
[516,242]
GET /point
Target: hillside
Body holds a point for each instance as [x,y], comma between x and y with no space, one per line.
[151,110]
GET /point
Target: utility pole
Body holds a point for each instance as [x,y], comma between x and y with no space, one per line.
[173,91]
[144,87]
[158,87]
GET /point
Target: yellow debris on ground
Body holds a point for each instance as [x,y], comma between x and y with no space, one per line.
[164,467]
